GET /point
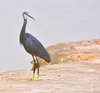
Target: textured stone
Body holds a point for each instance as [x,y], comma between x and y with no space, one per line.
[82,51]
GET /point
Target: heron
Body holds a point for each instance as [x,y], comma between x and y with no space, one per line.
[33,46]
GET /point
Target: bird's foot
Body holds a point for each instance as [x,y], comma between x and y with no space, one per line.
[34,79]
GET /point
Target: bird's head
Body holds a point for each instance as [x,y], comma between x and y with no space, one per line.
[26,14]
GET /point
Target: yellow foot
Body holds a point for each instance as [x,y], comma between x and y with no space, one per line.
[34,79]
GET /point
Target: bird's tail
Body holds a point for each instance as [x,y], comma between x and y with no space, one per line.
[48,59]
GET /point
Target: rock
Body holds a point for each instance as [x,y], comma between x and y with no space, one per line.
[73,77]
[82,51]
[78,71]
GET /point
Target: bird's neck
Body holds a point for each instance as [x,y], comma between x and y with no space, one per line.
[24,26]
[22,34]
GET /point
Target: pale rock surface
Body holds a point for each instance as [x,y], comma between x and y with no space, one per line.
[78,71]
[70,77]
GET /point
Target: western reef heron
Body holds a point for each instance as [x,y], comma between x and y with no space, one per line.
[33,46]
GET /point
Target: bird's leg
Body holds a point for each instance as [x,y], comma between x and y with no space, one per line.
[38,65]
[33,68]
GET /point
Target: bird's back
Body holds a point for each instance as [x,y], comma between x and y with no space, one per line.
[34,47]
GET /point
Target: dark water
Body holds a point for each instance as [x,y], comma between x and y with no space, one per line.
[56,21]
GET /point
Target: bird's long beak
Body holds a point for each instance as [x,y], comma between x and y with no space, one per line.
[30,16]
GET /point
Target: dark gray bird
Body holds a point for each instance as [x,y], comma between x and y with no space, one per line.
[33,45]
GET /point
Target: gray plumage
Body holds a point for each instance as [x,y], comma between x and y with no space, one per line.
[31,44]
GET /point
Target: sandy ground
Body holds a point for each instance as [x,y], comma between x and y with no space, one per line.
[70,77]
